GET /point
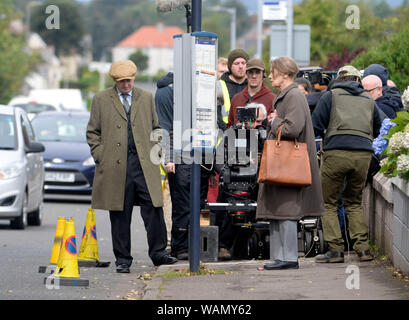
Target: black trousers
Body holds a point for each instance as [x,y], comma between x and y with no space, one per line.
[136,192]
[179,187]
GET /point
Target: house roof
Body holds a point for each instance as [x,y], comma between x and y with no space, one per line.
[159,36]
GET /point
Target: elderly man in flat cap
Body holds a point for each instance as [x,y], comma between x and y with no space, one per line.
[121,134]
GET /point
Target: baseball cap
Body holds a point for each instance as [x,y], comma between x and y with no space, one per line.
[255,64]
[348,71]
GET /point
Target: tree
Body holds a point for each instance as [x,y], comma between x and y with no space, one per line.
[219,22]
[15,62]
[392,54]
[110,21]
[329,31]
[71,29]
[140,59]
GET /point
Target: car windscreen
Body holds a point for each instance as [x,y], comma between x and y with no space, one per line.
[58,128]
[35,107]
[8,137]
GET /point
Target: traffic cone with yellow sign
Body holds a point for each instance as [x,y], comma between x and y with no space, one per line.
[59,232]
[67,273]
[88,254]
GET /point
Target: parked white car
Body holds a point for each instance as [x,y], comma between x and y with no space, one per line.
[21,170]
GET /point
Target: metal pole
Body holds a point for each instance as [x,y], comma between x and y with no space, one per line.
[196,15]
[290,26]
[259,53]
[194,225]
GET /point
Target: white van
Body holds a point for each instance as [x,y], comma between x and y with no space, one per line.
[61,99]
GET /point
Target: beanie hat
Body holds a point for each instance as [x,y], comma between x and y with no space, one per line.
[377,70]
[234,54]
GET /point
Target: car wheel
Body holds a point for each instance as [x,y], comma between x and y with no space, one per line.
[21,221]
[35,218]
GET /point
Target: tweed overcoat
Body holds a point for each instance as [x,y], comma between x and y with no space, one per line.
[107,133]
[290,203]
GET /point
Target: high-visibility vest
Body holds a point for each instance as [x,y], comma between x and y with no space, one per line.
[163,176]
[226,98]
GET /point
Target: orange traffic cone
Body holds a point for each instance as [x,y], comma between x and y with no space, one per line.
[67,273]
[88,254]
[59,232]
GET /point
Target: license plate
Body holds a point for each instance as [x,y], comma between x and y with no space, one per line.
[59,177]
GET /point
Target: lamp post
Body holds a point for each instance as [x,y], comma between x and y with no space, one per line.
[28,16]
[259,51]
[233,13]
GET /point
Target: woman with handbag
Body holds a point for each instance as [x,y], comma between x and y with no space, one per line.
[284,202]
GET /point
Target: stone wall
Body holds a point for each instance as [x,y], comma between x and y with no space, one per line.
[400,224]
[378,212]
[386,211]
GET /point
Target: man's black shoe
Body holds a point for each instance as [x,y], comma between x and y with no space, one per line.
[365,255]
[331,257]
[280,265]
[122,268]
[182,256]
[166,259]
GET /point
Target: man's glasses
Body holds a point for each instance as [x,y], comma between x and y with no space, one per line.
[370,90]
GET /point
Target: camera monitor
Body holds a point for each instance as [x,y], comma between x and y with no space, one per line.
[246,114]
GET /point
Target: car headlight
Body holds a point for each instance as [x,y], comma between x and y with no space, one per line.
[89,162]
[11,171]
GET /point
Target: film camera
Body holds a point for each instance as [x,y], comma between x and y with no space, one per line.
[238,185]
[238,189]
[318,77]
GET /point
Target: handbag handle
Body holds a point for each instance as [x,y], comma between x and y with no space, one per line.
[296,145]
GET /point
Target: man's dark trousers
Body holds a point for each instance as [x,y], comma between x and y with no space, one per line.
[137,192]
[179,187]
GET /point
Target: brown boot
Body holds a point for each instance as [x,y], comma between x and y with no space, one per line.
[224,254]
[365,255]
[331,257]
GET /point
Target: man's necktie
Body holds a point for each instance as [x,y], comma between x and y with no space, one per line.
[125,102]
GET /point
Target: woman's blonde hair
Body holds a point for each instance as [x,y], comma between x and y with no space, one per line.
[285,65]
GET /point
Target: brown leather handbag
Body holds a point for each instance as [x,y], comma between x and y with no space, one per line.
[285,163]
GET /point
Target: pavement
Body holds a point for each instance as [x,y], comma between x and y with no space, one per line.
[238,280]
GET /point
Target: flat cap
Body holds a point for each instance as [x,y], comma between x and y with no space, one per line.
[123,69]
[348,71]
[255,64]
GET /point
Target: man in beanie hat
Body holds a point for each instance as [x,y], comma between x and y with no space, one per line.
[348,119]
[232,82]
[122,132]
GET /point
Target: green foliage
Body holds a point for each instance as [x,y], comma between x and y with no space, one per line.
[329,33]
[220,22]
[15,62]
[392,54]
[140,59]
[111,21]
[391,165]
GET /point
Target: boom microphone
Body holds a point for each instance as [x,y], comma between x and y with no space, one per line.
[169,5]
